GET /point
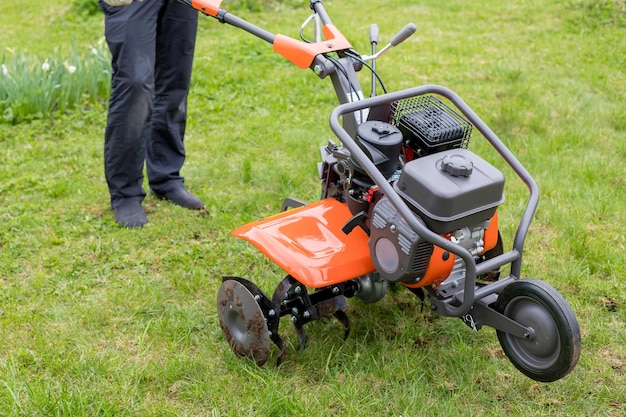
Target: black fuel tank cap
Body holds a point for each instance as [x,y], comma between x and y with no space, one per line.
[457,165]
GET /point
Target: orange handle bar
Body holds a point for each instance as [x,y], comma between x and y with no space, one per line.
[297,52]
[302,54]
[210,7]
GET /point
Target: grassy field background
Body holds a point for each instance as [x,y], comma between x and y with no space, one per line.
[102,321]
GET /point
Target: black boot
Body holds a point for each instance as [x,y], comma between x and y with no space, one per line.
[181,197]
[129,213]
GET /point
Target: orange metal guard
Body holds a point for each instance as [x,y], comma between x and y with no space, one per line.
[307,243]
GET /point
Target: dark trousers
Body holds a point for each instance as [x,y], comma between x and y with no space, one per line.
[152,45]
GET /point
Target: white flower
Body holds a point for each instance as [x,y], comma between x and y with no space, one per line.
[70,68]
[5,70]
[45,66]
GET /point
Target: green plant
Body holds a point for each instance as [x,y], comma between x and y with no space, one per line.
[35,87]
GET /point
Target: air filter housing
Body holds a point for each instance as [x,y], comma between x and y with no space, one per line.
[430,126]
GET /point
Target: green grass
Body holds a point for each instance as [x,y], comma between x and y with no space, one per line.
[102,321]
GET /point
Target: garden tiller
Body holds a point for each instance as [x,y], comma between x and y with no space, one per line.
[404,202]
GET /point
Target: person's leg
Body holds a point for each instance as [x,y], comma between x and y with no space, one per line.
[130,32]
[165,150]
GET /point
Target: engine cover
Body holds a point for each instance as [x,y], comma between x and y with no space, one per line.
[453,193]
[398,253]
[452,189]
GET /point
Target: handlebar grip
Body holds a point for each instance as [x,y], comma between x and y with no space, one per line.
[403,35]
[374,33]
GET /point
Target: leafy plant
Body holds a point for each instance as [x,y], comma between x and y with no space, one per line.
[35,87]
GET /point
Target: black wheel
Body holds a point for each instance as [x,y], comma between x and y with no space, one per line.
[243,322]
[552,349]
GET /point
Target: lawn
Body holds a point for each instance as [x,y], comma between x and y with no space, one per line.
[97,320]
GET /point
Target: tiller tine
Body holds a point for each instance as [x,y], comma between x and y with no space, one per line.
[288,290]
[294,299]
[301,338]
[250,319]
[419,292]
[278,341]
[344,319]
[240,308]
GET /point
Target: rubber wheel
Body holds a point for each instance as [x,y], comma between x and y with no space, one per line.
[554,349]
[243,322]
